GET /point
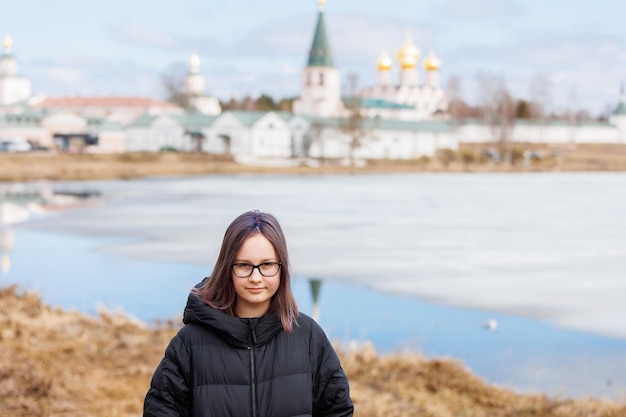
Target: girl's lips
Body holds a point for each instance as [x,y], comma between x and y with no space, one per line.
[255,289]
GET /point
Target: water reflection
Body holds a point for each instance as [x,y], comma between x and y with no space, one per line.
[7,241]
[316,287]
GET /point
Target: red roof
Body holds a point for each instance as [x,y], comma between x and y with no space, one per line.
[73,102]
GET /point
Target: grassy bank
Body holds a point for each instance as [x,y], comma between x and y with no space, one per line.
[470,158]
[63,363]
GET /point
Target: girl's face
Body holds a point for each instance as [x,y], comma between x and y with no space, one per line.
[254,293]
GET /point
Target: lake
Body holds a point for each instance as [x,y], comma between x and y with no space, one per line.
[414,262]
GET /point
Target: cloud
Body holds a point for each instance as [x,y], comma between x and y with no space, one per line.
[276,38]
[69,76]
[74,77]
[285,43]
[375,34]
[479,10]
[470,37]
[281,38]
[140,35]
[592,65]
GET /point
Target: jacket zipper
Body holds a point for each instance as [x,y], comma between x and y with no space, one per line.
[253,381]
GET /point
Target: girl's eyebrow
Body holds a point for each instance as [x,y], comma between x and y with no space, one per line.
[262,261]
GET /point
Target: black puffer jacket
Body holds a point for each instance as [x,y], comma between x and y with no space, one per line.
[219,365]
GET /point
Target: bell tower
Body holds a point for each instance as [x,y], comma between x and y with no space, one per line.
[320,94]
[13,88]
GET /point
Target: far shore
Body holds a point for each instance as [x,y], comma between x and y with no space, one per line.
[470,158]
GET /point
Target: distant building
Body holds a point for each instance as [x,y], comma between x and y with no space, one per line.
[408,99]
[402,119]
[320,94]
[195,88]
[384,121]
[13,87]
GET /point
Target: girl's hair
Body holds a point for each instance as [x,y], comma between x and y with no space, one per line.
[219,292]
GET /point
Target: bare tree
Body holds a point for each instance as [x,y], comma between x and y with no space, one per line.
[540,90]
[572,114]
[498,111]
[352,125]
[316,136]
[173,82]
[454,97]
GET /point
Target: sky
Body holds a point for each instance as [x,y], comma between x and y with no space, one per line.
[576,50]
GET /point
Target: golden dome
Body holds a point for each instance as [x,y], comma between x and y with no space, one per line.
[408,55]
[432,63]
[321,4]
[384,62]
[7,43]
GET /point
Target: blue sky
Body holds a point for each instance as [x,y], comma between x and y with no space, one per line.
[253,47]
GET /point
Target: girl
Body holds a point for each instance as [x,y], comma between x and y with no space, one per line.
[244,349]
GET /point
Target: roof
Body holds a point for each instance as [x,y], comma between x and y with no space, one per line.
[108,125]
[416,125]
[541,123]
[195,120]
[375,123]
[379,103]
[73,102]
[143,120]
[285,115]
[21,119]
[94,122]
[620,110]
[189,120]
[565,123]
[248,118]
[320,54]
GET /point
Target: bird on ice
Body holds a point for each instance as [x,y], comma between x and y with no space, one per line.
[491,324]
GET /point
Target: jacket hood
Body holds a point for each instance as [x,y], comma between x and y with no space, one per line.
[235,330]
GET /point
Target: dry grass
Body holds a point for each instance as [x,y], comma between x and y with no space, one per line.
[36,166]
[58,363]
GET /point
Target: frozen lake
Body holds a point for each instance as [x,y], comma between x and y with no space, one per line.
[425,259]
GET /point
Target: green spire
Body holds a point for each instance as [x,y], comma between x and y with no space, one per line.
[320,54]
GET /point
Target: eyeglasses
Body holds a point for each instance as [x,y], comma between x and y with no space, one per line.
[267,269]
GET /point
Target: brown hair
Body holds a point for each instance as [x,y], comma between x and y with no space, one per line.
[218,291]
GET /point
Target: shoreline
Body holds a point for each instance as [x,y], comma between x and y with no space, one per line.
[468,159]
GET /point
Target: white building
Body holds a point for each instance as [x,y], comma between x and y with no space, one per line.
[13,87]
[320,94]
[406,119]
[195,86]
[408,99]
[250,135]
[612,131]
[183,132]
[384,121]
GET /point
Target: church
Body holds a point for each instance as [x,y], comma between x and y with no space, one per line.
[402,117]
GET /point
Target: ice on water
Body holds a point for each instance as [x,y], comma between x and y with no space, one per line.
[551,246]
